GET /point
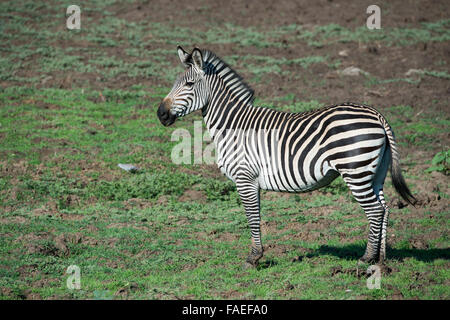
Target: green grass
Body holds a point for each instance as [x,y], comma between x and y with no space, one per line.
[440,162]
[133,238]
[326,34]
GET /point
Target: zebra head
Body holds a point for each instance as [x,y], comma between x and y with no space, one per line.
[189,91]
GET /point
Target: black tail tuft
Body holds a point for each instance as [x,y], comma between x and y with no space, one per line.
[400,185]
[396,172]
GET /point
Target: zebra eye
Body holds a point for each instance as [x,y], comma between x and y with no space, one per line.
[189,84]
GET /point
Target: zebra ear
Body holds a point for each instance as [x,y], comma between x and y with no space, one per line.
[183,56]
[197,58]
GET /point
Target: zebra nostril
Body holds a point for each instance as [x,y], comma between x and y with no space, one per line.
[164,114]
[163,111]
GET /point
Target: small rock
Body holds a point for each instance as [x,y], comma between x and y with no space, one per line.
[418,244]
[44,81]
[375,93]
[413,72]
[128,167]
[353,71]
[343,53]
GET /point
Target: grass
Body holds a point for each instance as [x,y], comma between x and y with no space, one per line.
[331,33]
[440,162]
[30,51]
[133,238]
[163,267]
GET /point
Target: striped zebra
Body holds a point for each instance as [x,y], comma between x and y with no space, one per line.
[261,148]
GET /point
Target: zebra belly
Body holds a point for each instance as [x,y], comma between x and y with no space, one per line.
[269,173]
[271,183]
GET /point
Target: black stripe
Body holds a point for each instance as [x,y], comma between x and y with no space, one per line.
[355,165]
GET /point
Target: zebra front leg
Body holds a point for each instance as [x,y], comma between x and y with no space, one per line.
[249,194]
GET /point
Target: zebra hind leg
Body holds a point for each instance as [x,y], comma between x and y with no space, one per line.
[383,239]
[374,213]
[378,183]
[374,210]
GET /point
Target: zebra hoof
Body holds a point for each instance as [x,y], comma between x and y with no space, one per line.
[367,259]
[252,260]
[254,257]
[381,259]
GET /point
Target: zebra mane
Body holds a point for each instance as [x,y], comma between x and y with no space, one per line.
[215,65]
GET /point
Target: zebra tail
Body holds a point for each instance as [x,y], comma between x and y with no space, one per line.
[396,172]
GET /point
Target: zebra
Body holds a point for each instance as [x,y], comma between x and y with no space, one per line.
[262,148]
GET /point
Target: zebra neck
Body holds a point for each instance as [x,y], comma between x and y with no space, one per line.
[222,114]
[229,94]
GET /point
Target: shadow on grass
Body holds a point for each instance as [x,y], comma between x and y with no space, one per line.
[267,264]
[353,251]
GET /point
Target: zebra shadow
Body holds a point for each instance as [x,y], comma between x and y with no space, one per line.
[267,263]
[355,251]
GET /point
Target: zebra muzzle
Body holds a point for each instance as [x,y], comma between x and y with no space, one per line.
[164,116]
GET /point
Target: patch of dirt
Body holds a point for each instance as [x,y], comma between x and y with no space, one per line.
[270,195]
[113,264]
[45,282]
[130,225]
[14,168]
[127,290]
[137,203]
[232,295]
[51,209]
[205,170]
[48,244]
[322,211]
[256,14]
[30,270]
[44,105]
[14,219]
[162,200]
[310,231]
[7,293]
[361,271]
[192,195]
[29,295]
[71,216]
[146,254]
